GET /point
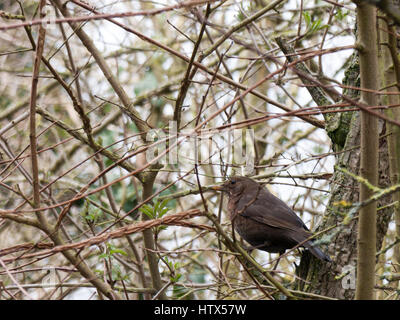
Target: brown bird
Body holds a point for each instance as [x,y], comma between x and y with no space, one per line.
[265,221]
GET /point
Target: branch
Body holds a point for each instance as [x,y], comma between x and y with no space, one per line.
[32,115]
[171,219]
[97,16]
[127,106]
[316,92]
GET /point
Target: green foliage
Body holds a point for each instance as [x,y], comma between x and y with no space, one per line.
[312,26]
[107,108]
[172,189]
[245,10]
[111,250]
[116,272]
[179,291]
[91,214]
[157,211]
[340,14]
[282,140]
[240,16]
[174,276]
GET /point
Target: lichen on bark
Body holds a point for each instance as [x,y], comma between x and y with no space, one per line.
[338,125]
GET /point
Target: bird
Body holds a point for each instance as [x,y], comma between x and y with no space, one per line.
[265,221]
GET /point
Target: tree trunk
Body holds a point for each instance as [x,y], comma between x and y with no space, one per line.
[366,240]
[337,279]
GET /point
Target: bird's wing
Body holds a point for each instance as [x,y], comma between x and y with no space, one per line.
[269,210]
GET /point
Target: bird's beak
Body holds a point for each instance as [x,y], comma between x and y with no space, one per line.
[217,188]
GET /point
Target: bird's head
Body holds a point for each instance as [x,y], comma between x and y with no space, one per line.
[235,185]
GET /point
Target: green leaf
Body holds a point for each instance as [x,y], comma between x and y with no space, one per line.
[120,251]
[176,278]
[147,210]
[104,255]
[99,271]
[307,18]
[157,211]
[116,273]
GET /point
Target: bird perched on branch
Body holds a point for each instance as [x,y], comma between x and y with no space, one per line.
[265,221]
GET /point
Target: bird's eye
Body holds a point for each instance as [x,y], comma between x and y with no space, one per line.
[233,181]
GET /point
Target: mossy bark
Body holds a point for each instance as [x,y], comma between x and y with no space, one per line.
[337,127]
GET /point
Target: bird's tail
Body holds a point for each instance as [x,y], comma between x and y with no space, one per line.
[314,249]
[317,252]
